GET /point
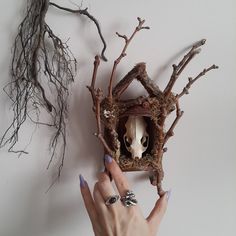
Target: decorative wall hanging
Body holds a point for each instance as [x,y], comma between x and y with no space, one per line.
[42,69]
[134,130]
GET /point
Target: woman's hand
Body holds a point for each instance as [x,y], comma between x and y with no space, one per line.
[117,219]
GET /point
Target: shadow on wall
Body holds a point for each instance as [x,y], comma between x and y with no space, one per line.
[26,219]
[64,210]
[87,148]
[168,64]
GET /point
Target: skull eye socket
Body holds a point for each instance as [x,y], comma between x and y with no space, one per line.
[127,141]
[144,141]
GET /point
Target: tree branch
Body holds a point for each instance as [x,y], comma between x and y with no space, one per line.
[99,134]
[91,88]
[170,132]
[191,80]
[123,53]
[177,69]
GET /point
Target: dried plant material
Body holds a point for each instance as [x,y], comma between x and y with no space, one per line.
[42,69]
[114,114]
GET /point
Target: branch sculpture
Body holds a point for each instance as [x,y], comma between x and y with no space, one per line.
[134,130]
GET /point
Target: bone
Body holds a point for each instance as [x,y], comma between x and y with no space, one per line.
[136,137]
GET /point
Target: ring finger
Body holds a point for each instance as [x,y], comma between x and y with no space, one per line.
[107,191]
[121,182]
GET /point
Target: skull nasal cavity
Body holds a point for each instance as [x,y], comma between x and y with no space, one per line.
[136,137]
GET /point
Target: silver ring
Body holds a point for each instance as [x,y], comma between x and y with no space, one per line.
[129,199]
[111,200]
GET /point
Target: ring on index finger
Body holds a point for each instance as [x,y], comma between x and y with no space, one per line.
[112,199]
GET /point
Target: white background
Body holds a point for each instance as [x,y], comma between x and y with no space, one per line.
[200,165]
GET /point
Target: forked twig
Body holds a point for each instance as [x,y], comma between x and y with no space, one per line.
[123,53]
[177,69]
[191,80]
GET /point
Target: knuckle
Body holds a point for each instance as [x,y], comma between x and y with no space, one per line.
[133,213]
[122,185]
[103,177]
[102,185]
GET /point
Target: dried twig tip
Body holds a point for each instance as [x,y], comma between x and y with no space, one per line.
[203,41]
[199,43]
[141,22]
[174,66]
[122,36]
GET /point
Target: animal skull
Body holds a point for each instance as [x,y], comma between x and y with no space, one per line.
[136,138]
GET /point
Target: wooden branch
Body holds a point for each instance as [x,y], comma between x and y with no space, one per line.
[159,177]
[91,88]
[124,83]
[92,18]
[123,53]
[191,80]
[177,69]
[170,132]
[99,134]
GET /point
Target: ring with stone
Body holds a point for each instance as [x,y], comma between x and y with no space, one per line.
[111,200]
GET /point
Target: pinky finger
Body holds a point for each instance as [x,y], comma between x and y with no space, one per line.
[88,200]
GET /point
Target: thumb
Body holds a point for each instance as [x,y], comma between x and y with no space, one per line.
[157,213]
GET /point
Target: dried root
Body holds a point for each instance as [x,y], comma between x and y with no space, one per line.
[42,69]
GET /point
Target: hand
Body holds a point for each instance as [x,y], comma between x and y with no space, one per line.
[116,219]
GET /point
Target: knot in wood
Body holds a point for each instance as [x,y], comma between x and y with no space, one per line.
[146,104]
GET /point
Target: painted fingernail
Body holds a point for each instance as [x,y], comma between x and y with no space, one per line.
[108,159]
[168,195]
[82,181]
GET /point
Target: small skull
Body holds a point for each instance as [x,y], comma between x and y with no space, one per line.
[136,138]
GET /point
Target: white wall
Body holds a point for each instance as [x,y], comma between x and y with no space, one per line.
[200,164]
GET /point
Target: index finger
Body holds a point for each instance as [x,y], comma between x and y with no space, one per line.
[118,176]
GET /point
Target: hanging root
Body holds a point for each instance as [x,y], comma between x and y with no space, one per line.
[42,69]
[92,18]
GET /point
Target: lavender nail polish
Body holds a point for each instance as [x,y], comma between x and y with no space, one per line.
[108,159]
[82,181]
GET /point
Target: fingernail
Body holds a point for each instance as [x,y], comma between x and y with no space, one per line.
[82,181]
[168,195]
[108,159]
